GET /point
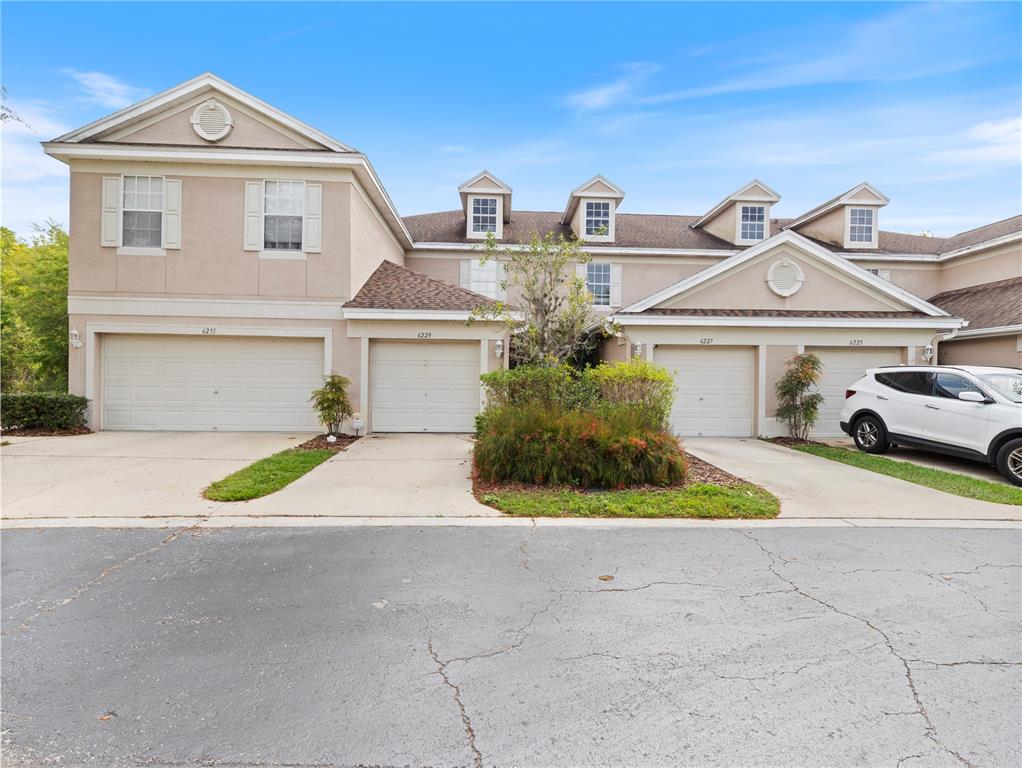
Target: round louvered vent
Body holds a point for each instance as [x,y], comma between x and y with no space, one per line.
[784,277]
[211,120]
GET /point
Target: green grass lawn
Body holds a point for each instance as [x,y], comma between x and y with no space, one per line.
[266,475]
[698,500]
[949,482]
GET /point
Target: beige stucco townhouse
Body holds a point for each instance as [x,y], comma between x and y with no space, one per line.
[225,256]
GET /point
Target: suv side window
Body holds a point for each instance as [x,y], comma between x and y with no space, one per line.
[910,382]
[950,384]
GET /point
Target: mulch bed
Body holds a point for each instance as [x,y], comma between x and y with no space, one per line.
[320,443]
[790,441]
[699,471]
[45,432]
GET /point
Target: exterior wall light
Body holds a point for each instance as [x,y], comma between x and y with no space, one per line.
[637,349]
[498,348]
[75,339]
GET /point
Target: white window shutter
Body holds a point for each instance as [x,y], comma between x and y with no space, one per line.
[109,231]
[615,285]
[466,274]
[580,272]
[253,215]
[501,277]
[312,224]
[172,213]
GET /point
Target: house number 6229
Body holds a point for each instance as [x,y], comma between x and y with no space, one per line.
[424,334]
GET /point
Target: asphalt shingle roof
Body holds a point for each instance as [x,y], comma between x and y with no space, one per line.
[819,313]
[988,305]
[394,287]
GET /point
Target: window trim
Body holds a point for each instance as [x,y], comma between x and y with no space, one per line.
[610,284]
[582,217]
[739,240]
[141,250]
[279,253]
[849,243]
[469,203]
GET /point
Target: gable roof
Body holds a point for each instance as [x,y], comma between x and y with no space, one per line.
[491,185]
[842,199]
[990,305]
[743,193]
[803,244]
[395,288]
[583,190]
[179,93]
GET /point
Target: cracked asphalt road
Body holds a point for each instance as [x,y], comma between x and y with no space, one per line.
[504,647]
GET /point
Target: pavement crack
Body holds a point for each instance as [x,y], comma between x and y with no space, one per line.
[931,730]
[83,588]
[657,584]
[466,721]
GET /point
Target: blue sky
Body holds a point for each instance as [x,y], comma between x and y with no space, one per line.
[679,104]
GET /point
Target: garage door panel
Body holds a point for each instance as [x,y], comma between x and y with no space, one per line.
[841,368]
[200,383]
[424,387]
[714,390]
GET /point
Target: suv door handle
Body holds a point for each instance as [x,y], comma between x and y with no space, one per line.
[881,397]
[932,407]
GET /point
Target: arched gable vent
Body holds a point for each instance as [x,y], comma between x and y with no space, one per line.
[785,277]
[211,120]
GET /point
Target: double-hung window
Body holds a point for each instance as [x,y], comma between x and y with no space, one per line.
[597,219]
[860,225]
[484,214]
[752,222]
[598,282]
[484,277]
[283,208]
[142,212]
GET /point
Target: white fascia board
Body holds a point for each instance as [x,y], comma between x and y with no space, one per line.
[793,238]
[205,81]
[738,195]
[224,156]
[997,330]
[935,257]
[499,186]
[992,243]
[363,313]
[842,199]
[592,251]
[182,307]
[580,191]
[787,322]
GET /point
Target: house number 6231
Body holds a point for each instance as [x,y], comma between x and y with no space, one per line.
[208,331]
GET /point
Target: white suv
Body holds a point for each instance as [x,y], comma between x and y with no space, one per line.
[969,411]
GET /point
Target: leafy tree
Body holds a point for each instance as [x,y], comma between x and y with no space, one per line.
[798,404]
[552,319]
[331,402]
[33,310]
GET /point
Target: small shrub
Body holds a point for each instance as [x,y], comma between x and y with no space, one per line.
[558,386]
[55,411]
[636,384]
[331,402]
[798,405]
[541,445]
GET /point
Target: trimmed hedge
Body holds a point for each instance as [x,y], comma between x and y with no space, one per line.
[535,444]
[42,410]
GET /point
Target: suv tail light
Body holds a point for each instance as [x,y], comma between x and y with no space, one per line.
[849,393]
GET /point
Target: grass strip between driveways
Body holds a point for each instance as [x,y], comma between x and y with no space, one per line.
[697,500]
[938,479]
[266,475]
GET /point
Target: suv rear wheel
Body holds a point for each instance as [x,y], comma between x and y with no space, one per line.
[870,434]
[1009,461]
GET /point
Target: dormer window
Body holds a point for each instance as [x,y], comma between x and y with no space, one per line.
[484,215]
[860,225]
[597,218]
[751,223]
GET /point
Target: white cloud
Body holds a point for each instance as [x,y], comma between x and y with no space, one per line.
[992,141]
[451,149]
[614,92]
[106,90]
[906,44]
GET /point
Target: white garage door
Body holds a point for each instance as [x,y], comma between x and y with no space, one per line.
[424,386]
[841,367]
[714,389]
[203,383]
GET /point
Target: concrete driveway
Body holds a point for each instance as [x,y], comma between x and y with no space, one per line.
[383,475]
[126,474]
[811,487]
